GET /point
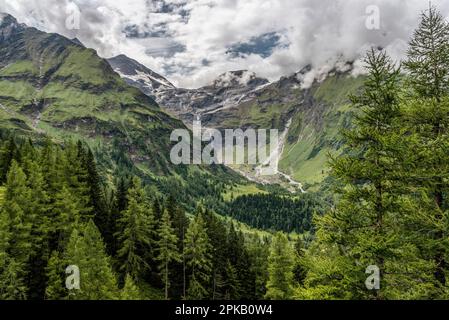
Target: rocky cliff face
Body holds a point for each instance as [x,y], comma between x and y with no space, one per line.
[227,91]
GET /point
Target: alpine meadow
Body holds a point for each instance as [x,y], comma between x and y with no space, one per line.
[93,207]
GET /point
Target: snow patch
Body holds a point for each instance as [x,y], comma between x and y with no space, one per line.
[147,79]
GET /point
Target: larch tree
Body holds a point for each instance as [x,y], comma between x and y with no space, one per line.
[427,116]
[130,291]
[280,269]
[197,252]
[86,250]
[367,228]
[167,249]
[136,233]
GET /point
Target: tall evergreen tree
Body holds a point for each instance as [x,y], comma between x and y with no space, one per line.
[136,235]
[8,153]
[428,119]
[73,160]
[180,224]
[217,233]
[86,250]
[130,291]
[167,249]
[96,194]
[12,284]
[280,268]
[197,252]
[66,215]
[16,207]
[55,289]
[38,214]
[367,227]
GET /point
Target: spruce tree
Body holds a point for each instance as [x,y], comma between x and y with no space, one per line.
[130,290]
[217,233]
[231,285]
[180,224]
[368,225]
[428,121]
[280,268]
[4,238]
[55,289]
[66,215]
[86,250]
[197,252]
[39,233]
[73,162]
[16,207]
[167,249]
[136,235]
[12,285]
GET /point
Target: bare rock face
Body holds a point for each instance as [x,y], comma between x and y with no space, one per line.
[139,76]
[226,92]
[8,27]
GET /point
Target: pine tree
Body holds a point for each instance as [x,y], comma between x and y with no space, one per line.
[38,216]
[55,289]
[87,252]
[16,207]
[217,233]
[118,205]
[4,238]
[428,56]
[12,286]
[96,195]
[180,224]
[130,290]
[8,154]
[136,235]
[299,270]
[239,257]
[73,160]
[368,225]
[259,251]
[280,268]
[231,285]
[197,253]
[428,119]
[66,216]
[167,249]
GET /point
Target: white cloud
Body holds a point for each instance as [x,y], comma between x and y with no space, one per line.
[198,33]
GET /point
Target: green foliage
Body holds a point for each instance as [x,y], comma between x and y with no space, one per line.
[280,268]
[130,291]
[55,289]
[197,252]
[87,251]
[275,212]
[136,235]
[167,249]
[427,121]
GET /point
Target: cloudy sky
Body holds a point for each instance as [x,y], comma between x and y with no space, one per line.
[192,41]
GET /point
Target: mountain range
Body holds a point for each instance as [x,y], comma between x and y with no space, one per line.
[309,117]
[53,85]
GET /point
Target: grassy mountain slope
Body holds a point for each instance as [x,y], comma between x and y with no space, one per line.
[49,84]
[313,118]
[315,129]
[53,86]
